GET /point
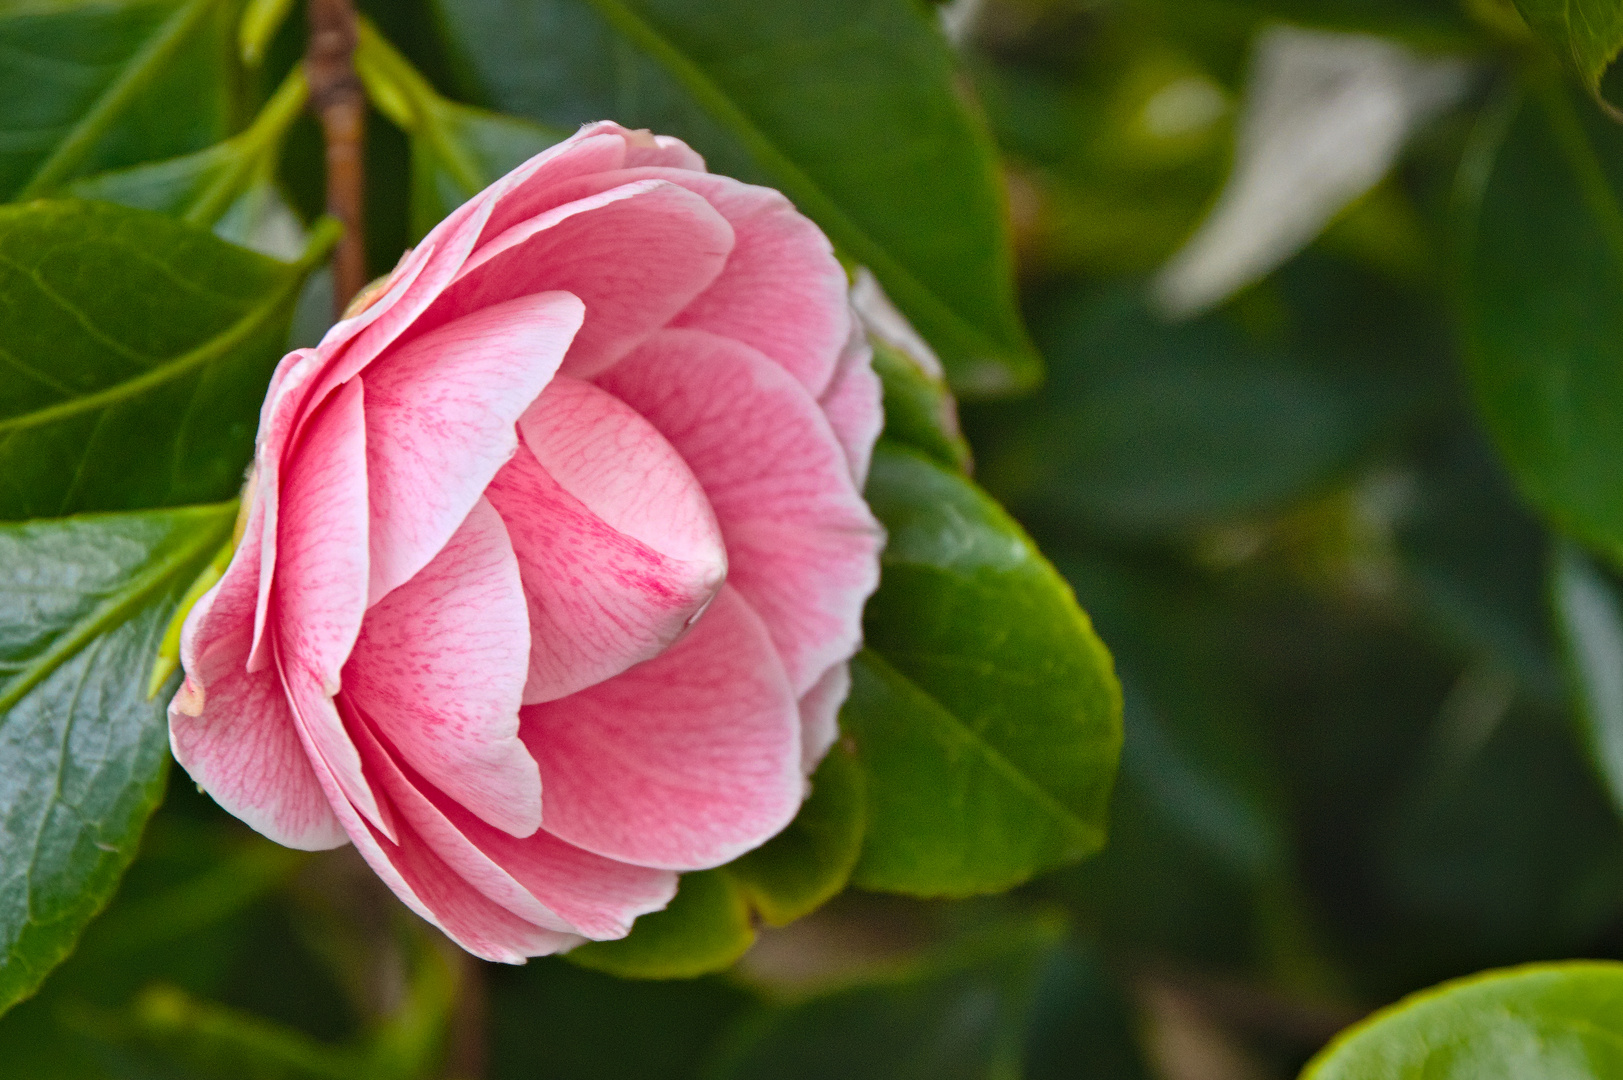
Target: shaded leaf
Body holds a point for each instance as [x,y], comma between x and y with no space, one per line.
[704,929]
[848,107]
[1589,618]
[137,351]
[1585,34]
[1542,301]
[957,1017]
[1543,1020]
[919,409]
[804,866]
[83,602]
[87,87]
[985,712]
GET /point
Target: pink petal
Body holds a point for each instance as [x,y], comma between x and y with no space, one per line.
[646,148]
[241,746]
[435,891]
[319,596]
[320,593]
[636,255]
[802,547]
[820,715]
[782,290]
[854,403]
[440,415]
[439,669]
[331,752]
[539,878]
[683,762]
[616,543]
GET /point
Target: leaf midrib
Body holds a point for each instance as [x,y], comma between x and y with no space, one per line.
[123,604]
[805,191]
[321,239]
[1066,818]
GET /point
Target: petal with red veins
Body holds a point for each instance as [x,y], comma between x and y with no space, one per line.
[782,291]
[854,404]
[440,416]
[241,745]
[802,546]
[319,595]
[820,715]
[439,668]
[434,890]
[635,255]
[680,763]
[616,543]
[539,878]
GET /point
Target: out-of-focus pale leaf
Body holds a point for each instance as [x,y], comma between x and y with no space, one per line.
[1324,118]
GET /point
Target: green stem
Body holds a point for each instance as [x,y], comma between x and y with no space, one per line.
[253,149]
[410,101]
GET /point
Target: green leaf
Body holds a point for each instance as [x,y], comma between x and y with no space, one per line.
[136,350]
[848,106]
[705,929]
[1149,427]
[456,150]
[985,711]
[804,866]
[1589,619]
[1542,305]
[961,1016]
[83,602]
[200,187]
[87,87]
[1585,34]
[919,409]
[1542,1020]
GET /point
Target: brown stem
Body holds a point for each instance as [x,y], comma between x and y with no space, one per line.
[340,102]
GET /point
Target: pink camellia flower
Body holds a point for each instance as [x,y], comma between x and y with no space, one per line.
[554,555]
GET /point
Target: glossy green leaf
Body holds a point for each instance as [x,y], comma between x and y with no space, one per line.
[919,409]
[1585,34]
[1542,302]
[201,187]
[456,150]
[985,711]
[83,602]
[136,352]
[961,1016]
[804,866]
[704,929]
[1546,1021]
[1589,617]
[87,87]
[847,106]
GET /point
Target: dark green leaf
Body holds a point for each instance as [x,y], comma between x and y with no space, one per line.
[1585,34]
[83,602]
[848,106]
[1539,1021]
[961,1017]
[200,187]
[456,150]
[137,350]
[985,712]
[1543,305]
[551,1019]
[1149,426]
[919,409]
[804,866]
[1589,617]
[705,929]
[87,87]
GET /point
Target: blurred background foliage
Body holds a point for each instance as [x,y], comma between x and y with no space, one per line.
[1281,260]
